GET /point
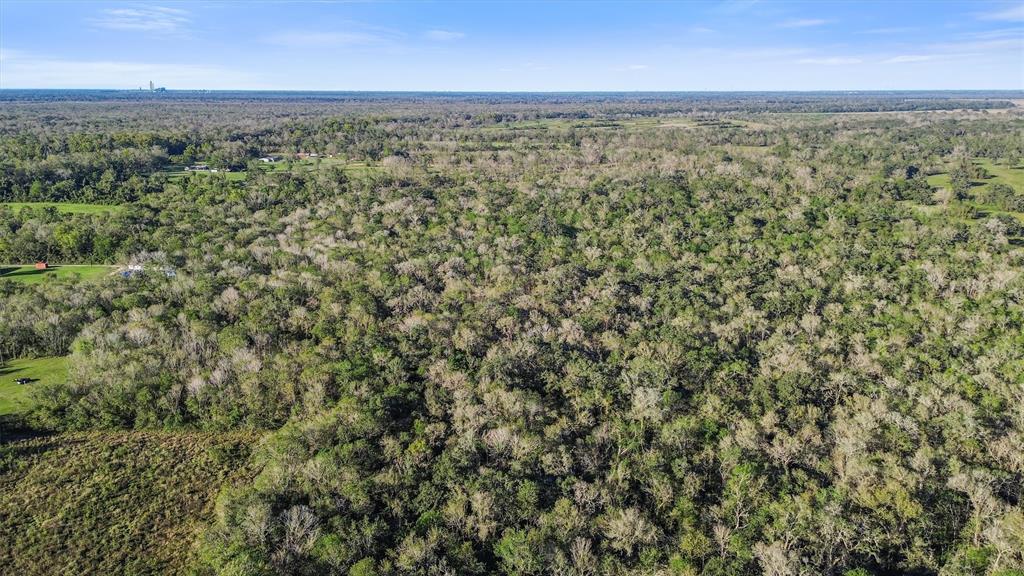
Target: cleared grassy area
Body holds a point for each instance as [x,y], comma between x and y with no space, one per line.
[14,397]
[539,124]
[593,123]
[66,207]
[351,168]
[940,180]
[620,123]
[1000,173]
[361,169]
[174,175]
[112,502]
[29,275]
[1010,175]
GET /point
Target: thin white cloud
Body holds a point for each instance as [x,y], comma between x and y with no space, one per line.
[735,6]
[995,34]
[443,35]
[1014,14]
[701,30]
[525,66]
[632,68]
[762,53]
[890,30]
[995,46]
[833,61]
[803,23]
[313,39]
[142,19]
[23,70]
[907,58]
[989,45]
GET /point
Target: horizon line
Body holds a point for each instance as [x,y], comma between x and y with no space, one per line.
[472,91]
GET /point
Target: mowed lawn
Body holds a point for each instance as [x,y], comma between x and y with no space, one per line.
[66,207]
[113,503]
[29,275]
[16,397]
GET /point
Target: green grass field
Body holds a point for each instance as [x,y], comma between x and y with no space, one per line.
[176,174]
[1013,176]
[351,168]
[538,124]
[1000,173]
[29,275]
[940,180]
[14,397]
[112,502]
[66,207]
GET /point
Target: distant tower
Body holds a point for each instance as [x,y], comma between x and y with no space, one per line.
[151,86]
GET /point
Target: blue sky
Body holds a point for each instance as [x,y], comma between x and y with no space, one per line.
[542,46]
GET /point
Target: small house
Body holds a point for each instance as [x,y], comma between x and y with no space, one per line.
[42,265]
[23,381]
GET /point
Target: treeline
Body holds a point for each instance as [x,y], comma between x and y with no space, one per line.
[45,320]
[109,178]
[69,160]
[29,234]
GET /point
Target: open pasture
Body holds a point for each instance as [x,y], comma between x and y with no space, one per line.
[28,274]
[15,397]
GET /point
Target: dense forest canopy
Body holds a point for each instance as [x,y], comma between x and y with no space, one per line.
[647,334]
